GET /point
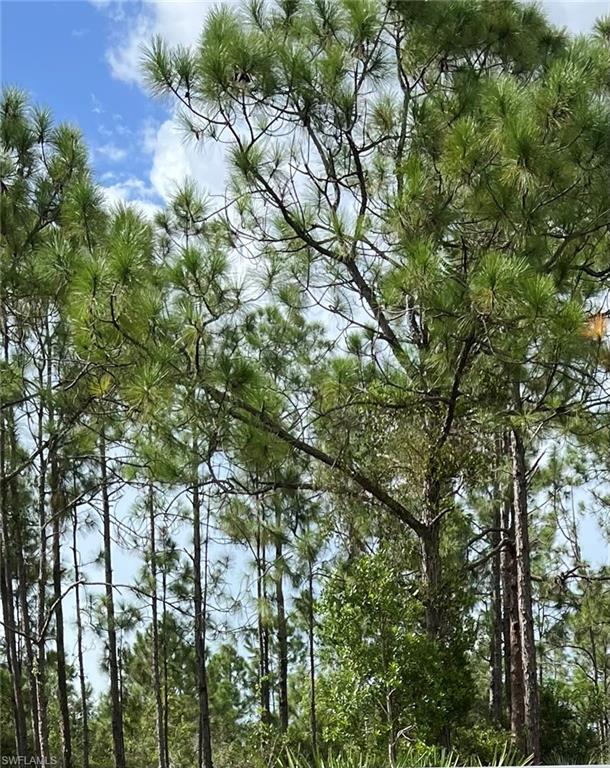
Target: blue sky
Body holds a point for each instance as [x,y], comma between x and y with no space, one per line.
[81,58]
[57,51]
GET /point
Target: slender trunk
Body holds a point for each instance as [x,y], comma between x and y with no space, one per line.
[506,657]
[282,632]
[57,504]
[14,666]
[496,601]
[432,575]
[155,631]
[22,586]
[164,663]
[524,597]
[313,724]
[496,642]
[113,661]
[263,635]
[515,665]
[41,691]
[506,568]
[391,728]
[389,708]
[6,586]
[204,751]
[120,668]
[596,680]
[431,560]
[79,644]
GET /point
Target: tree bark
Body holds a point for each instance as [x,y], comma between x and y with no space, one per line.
[313,723]
[204,750]
[163,650]
[6,584]
[506,636]
[22,586]
[496,628]
[263,631]
[14,666]
[79,644]
[524,597]
[57,505]
[514,660]
[496,641]
[430,536]
[41,691]
[391,728]
[155,631]
[118,742]
[431,560]
[282,632]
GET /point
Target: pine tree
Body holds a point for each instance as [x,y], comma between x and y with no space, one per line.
[432,238]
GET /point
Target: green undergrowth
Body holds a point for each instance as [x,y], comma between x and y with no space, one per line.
[415,756]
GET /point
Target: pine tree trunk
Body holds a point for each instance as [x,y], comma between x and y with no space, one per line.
[515,664]
[14,667]
[57,504]
[6,586]
[263,632]
[391,728]
[431,559]
[496,642]
[41,690]
[506,645]
[204,750]
[524,597]
[113,662]
[79,645]
[164,664]
[496,600]
[282,633]
[313,723]
[161,750]
[22,586]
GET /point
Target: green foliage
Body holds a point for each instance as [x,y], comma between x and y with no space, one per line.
[566,735]
[412,756]
[320,377]
[390,677]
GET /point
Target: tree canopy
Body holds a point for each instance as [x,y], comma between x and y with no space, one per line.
[351,419]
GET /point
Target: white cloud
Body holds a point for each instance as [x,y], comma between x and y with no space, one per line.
[148,135]
[111,152]
[179,22]
[115,9]
[96,105]
[124,58]
[133,191]
[176,157]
